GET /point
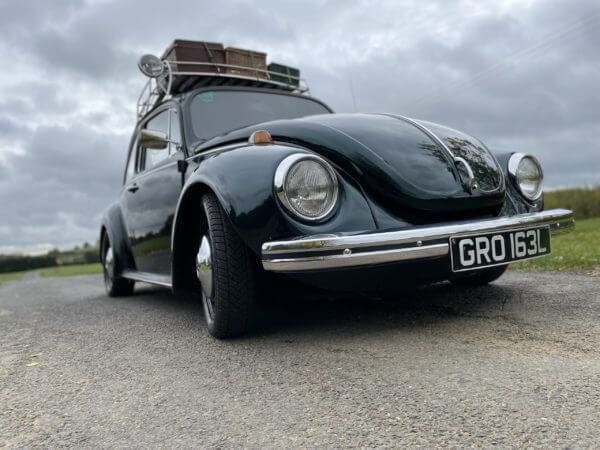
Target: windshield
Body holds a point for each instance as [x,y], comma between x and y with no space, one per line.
[217,112]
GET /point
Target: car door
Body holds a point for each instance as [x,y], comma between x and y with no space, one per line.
[150,197]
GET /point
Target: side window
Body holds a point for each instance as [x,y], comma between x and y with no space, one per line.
[175,134]
[153,156]
[130,171]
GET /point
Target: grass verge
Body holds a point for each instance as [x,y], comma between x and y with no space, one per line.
[11,276]
[577,250]
[585,202]
[67,271]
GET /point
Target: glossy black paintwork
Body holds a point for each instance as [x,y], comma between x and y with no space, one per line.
[242,179]
[149,213]
[485,167]
[395,161]
[391,175]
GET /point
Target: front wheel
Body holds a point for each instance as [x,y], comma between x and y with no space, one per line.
[480,277]
[226,273]
[115,286]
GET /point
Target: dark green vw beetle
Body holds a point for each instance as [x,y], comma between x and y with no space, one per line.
[231,177]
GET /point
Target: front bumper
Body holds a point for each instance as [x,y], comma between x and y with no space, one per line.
[335,251]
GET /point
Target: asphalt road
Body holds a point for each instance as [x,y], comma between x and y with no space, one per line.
[516,363]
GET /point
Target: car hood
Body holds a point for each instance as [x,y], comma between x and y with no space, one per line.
[398,160]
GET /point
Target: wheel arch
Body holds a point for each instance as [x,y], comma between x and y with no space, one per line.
[215,175]
[113,226]
[186,222]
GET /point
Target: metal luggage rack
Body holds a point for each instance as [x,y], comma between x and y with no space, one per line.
[176,82]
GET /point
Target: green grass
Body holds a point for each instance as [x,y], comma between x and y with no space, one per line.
[577,250]
[11,276]
[585,202]
[67,271]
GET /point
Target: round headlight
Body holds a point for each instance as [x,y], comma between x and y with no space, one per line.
[307,186]
[527,175]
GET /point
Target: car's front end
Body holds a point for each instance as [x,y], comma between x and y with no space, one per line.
[442,205]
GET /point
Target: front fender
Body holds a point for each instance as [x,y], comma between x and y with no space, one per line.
[114,226]
[242,180]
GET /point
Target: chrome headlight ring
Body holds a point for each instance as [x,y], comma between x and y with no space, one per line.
[519,178]
[281,186]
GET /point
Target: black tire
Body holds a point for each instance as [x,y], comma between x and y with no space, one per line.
[480,277]
[115,286]
[230,304]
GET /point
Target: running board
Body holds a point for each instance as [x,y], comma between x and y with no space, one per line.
[145,277]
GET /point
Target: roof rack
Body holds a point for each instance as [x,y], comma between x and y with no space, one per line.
[173,82]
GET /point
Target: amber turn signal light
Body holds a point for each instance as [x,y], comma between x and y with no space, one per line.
[261,137]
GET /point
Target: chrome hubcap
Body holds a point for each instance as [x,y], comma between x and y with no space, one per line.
[204,269]
[109,262]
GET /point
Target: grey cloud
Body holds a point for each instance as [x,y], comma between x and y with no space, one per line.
[10,127]
[73,156]
[65,178]
[15,14]
[4,173]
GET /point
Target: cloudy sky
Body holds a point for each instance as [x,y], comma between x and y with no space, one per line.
[521,75]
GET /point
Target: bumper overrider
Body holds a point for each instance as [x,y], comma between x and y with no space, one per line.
[336,251]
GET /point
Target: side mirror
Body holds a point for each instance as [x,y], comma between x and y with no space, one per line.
[153,139]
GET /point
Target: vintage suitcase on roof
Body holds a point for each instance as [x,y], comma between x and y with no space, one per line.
[195,51]
[289,75]
[246,58]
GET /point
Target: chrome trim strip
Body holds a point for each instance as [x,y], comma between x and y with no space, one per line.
[145,173]
[416,242]
[427,131]
[473,185]
[218,66]
[218,149]
[354,259]
[145,277]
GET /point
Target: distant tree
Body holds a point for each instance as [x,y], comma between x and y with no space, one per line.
[20,263]
[86,245]
[91,256]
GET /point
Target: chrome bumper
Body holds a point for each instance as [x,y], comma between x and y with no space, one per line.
[334,251]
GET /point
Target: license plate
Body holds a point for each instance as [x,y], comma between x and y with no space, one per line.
[493,249]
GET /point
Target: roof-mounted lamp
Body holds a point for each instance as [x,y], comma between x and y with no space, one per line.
[151,66]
